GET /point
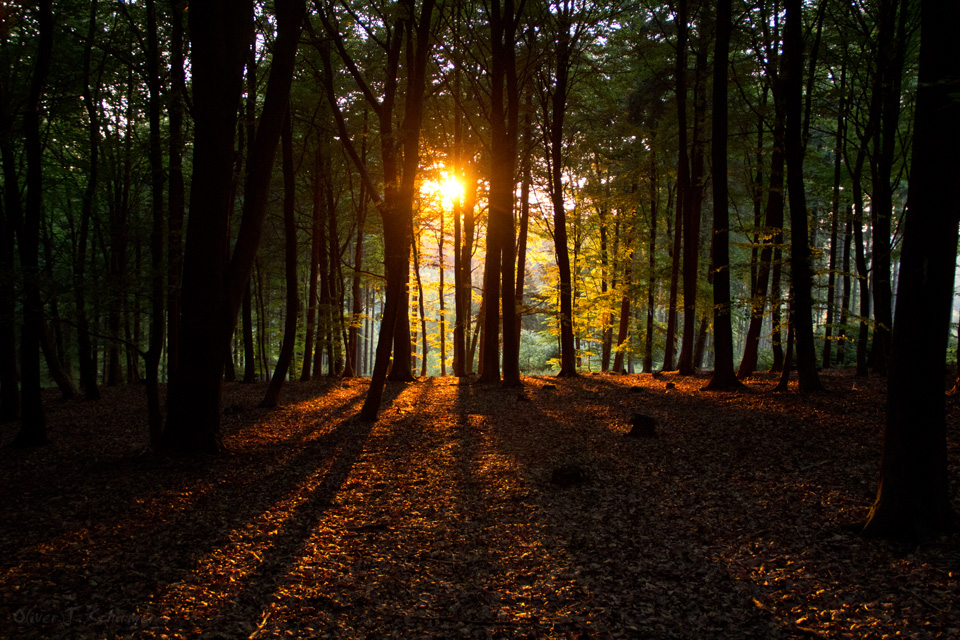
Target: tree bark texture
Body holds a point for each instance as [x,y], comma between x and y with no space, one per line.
[913,501]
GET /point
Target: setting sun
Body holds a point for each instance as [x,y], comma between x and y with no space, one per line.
[447,189]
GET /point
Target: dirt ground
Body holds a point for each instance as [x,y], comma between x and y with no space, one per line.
[471,511]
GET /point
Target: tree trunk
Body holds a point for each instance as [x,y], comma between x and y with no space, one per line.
[769,263]
[397,206]
[801,273]
[219,41]
[272,395]
[466,264]
[624,325]
[442,321]
[606,337]
[685,200]
[913,500]
[558,106]
[353,361]
[155,349]
[33,430]
[724,377]
[651,278]
[885,108]
[863,276]
[176,198]
[249,351]
[784,383]
[212,290]
[313,317]
[334,302]
[835,224]
[9,375]
[55,366]
[88,370]
[776,305]
[421,307]
[501,262]
[670,347]
[845,294]
[526,180]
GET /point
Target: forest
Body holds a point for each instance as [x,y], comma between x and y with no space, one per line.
[476,211]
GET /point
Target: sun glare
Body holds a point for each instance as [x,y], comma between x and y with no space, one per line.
[447,189]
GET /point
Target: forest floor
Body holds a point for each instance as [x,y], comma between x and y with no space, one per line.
[447,518]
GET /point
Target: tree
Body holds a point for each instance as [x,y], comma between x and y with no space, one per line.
[801,272]
[213,286]
[33,429]
[690,179]
[176,198]
[91,99]
[885,113]
[913,501]
[499,274]
[554,91]
[155,350]
[724,376]
[272,394]
[400,159]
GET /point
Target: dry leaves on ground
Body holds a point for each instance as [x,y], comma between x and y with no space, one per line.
[471,511]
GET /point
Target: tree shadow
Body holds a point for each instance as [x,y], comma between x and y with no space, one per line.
[172,515]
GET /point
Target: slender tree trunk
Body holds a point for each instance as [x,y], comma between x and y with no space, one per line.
[776,305]
[9,374]
[913,500]
[525,183]
[834,225]
[324,264]
[651,277]
[501,263]
[313,317]
[422,309]
[886,112]
[335,311]
[466,264]
[670,346]
[11,214]
[845,295]
[442,321]
[55,366]
[724,376]
[155,350]
[272,395]
[769,263]
[249,351]
[606,337]
[33,430]
[397,208]
[800,270]
[685,211]
[353,364]
[558,106]
[784,383]
[88,370]
[623,327]
[863,277]
[176,198]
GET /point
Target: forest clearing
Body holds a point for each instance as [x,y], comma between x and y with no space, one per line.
[475,511]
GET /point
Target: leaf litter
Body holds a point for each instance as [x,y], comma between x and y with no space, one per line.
[446,519]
